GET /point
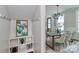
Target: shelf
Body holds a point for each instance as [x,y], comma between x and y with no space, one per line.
[25,37]
[22,44]
[30,50]
[13,38]
[13,46]
[27,51]
[28,42]
[20,37]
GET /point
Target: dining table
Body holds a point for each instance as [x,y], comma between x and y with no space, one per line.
[54,36]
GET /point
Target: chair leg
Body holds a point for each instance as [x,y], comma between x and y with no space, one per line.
[63,45]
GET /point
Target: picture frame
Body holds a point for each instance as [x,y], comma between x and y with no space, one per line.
[21,28]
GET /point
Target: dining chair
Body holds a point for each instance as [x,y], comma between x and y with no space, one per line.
[68,38]
[60,42]
[75,37]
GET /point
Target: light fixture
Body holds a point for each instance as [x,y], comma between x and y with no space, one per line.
[56,15]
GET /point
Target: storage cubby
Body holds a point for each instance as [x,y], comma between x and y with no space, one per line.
[29,46]
[22,48]
[14,49]
[13,42]
[29,40]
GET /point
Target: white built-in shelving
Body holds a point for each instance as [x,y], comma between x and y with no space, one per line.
[26,46]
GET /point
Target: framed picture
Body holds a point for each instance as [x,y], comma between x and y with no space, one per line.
[21,28]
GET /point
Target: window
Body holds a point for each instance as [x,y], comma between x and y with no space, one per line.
[77,12]
[60,23]
[49,24]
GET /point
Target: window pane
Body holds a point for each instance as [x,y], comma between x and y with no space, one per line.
[49,25]
[49,20]
[60,23]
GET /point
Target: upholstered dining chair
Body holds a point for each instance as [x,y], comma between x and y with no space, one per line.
[60,42]
[75,37]
[68,37]
[64,40]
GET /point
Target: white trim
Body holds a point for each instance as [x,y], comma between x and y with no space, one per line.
[43,37]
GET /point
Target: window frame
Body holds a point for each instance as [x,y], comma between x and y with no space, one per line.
[49,29]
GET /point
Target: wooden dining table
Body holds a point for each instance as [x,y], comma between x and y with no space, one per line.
[54,36]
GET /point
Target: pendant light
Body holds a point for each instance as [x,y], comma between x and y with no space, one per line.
[56,15]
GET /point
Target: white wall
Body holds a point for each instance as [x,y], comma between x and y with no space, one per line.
[36,26]
[3,10]
[70,20]
[21,11]
[12,29]
[43,32]
[4,31]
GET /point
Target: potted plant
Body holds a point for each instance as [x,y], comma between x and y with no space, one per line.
[21,40]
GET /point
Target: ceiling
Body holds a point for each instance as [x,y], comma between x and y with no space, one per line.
[51,9]
[21,11]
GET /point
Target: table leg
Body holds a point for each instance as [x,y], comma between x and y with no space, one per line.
[53,42]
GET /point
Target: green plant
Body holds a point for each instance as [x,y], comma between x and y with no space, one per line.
[22,40]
